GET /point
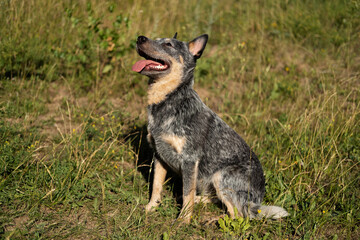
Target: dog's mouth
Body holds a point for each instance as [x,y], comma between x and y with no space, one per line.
[150,64]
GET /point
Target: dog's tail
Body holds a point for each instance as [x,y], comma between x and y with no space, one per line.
[261,211]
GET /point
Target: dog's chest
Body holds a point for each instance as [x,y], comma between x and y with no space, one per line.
[168,139]
[165,120]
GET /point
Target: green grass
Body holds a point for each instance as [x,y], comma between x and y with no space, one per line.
[74,162]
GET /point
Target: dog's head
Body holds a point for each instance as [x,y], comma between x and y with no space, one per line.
[168,56]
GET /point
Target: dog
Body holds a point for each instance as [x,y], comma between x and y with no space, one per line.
[193,141]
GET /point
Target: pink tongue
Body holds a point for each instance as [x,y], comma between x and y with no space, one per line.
[140,65]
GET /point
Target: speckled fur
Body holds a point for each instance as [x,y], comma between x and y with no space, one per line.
[214,159]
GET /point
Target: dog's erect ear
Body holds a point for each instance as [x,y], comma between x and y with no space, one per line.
[197,46]
[175,35]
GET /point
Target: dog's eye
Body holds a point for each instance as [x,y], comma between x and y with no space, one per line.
[168,44]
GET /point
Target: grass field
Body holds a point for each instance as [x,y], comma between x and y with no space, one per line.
[74,163]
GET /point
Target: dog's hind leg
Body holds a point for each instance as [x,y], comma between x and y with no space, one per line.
[224,198]
[235,188]
[159,178]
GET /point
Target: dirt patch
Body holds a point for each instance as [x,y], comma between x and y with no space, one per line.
[59,106]
[13,120]
[136,107]
[209,98]
[18,223]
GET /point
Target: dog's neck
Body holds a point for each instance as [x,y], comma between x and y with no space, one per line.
[159,88]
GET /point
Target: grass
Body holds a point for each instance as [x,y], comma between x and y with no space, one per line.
[74,162]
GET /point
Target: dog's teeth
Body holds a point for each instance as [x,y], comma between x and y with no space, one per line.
[158,67]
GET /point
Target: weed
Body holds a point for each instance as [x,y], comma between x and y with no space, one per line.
[100,46]
[236,227]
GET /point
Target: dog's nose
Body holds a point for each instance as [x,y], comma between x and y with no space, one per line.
[141,39]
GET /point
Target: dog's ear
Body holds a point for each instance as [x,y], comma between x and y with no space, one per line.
[197,46]
[175,35]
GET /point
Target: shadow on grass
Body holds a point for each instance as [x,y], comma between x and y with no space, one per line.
[144,162]
[139,144]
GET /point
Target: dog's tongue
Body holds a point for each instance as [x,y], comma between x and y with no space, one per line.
[140,65]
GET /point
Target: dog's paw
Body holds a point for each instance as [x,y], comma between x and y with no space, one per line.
[184,216]
[150,207]
[182,220]
[203,200]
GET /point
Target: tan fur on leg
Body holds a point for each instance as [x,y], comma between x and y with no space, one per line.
[188,207]
[229,205]
[159,178]
[202,199]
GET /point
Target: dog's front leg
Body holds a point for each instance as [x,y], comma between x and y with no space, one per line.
[189,176]
[159,178]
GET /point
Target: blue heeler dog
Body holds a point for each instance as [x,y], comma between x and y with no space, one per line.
[190,139]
